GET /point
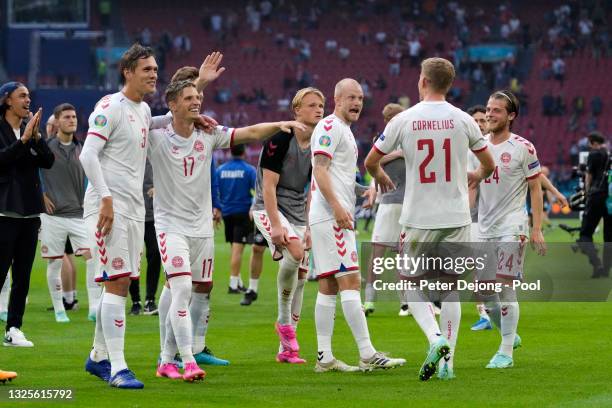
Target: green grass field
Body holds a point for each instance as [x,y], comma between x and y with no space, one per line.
[564,361]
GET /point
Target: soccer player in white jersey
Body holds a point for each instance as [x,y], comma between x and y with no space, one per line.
[113,158]
[434,137]
[502,216]
[181,157]
[280,214]
[478,112]
[386,230]
[334,248]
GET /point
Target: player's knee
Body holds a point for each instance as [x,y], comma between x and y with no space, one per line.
[258,249]
[296,250]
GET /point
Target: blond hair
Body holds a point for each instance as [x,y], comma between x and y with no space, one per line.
[390,110]
[439,72]
[185,74]
[301,94]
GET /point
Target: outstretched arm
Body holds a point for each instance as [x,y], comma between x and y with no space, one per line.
[262,131]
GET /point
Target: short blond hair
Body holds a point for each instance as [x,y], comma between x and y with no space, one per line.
[390,110]
[185,74]
[439,72]
[301,94]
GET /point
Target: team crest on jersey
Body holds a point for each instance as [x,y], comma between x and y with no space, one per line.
[177,261]
[325,141]
[354,256]
[44,249]
[175,149]
[100,121]
[117,264]
[198,146]
[202,157]
[506,158]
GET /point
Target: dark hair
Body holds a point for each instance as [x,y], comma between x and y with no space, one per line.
[596,137]
[476,108]
[185,74]
[175,88]
[62,108]
[512,102]
[5,91]
[237,150]
[129,59]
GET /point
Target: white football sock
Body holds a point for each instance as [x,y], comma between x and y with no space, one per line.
[482,311]
[325,314]
[165,300]
[450,318]
[423,313]
[403,297]
[54,282]
[200,314]
[234,280]
[180,317]
[286,282]
[5,293]
[492,307]
[253,284]
[509,320]
[169,349]
[370,293]
[354,316]
[68,295]
[296,303]
[99,351]
[94,291]
[113,325]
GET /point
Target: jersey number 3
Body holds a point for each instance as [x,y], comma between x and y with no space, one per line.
[430,177]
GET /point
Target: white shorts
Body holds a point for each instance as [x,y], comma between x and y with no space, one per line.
[54,232]
[334,250]
[510,255]
[262,222]
[386,226]
[474,231]
[118,254]
[416,243]
[182,255]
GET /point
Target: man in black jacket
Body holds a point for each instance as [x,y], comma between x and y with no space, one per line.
[22,153]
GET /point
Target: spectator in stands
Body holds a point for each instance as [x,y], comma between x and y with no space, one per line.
[596,105]
[414,51]
[313,18]
[145,37]
[265,9]
[381,38]
[395,59]
[380,83]
[548,104]
[331,45]
[558,69]
[22,153]
[253,17]
[344,53]
[559,105]
[363,30]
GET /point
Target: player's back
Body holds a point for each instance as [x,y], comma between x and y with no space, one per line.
[435,138]
[124,125]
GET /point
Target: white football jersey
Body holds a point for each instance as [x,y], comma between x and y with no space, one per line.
[435,138]
[182,202]
[124,126]
[333,138]
[501,206]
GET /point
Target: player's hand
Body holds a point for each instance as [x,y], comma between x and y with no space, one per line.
[537,241]
[561,198]
[292,124]
[370,197]
[473,179]
[383,182]
[31,129]
[344,219]
[307,241]
[49,206]
[206,123]
[106,217]
[216,217]
[209,70]
[279,237]
[151,192]
[251,215]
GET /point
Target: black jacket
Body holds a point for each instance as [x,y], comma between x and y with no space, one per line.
[19,179]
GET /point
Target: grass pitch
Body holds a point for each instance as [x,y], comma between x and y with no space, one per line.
[564,360]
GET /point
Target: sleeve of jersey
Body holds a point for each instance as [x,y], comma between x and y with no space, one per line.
[325,139]
[477,142]
[103,120]
[388,140]
[224,137]
[274,151]
[531,164]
